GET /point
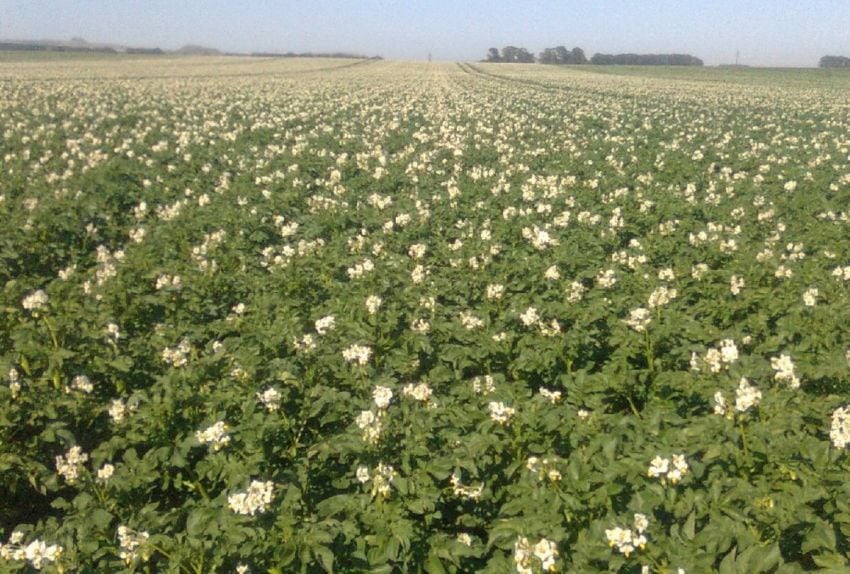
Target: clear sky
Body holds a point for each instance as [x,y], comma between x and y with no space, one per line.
[765,32]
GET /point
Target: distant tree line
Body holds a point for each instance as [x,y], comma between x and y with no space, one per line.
[834,62]
[33,47]
[51,47]
[510,55]
[37,47]
[560,55]
[645,60]
[156,51]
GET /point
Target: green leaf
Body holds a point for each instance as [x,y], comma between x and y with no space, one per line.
[820,537]
[325,557]
[433,565]
[758,559]
[196,522]
[100,518]
[832,563]
[727,565]
[333,505]
[688,526]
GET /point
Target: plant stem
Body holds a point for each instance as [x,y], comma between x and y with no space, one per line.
[632,405]
[52,333]
[744,440]
[201,490]
[648,352]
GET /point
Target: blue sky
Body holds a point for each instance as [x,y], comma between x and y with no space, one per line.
[765,32]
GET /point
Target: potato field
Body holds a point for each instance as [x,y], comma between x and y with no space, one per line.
[265,315]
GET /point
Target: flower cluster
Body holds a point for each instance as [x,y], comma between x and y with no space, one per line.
[35,301]
[810,296]
[495,291]
[639,319]
[80,383]
[14,382]
[665,469]
[576,292]
[529,317]
[526,555]
[359,269]
[37,552]
[177,356]
[839,433]
[419,392]
[357,354]
[254,500]
[716,359]
[784,367]
[382,396]
[462,491]
[606,279]
[662,295]
[305,344]
[118,410]
[747,396]
[540,238]
[544,468]
[736,284]
[68,465]
[373,303]
[500,412]
[370,424]
[381,478]
[627,540]
[166,281]
[270,398]
[483,385]
[105,472]
[215,435]
[552,273]
[551,396]
[325,324]
[130,541]
[470,321]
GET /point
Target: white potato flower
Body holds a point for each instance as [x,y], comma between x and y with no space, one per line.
[35,301]
[529,317]
[357,354]
[839,432]
[105,472]
[270,398]
[254,500]
[746,396]
[639,319]
[325,324]
[785,370]
[500,412]
[215,435]
[373,303]
[382,396]
[810,297]
[130,542]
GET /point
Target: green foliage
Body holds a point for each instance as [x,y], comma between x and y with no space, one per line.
[403,318]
